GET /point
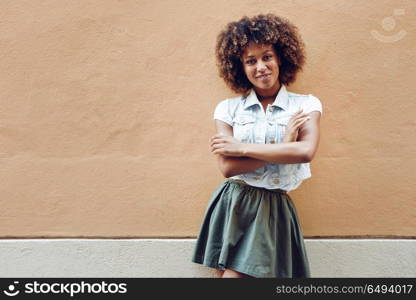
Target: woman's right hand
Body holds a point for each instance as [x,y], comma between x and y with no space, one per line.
[293,126]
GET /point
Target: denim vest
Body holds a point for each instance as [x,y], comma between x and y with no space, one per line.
[251,124]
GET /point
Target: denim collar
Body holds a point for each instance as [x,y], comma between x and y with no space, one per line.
[282,99]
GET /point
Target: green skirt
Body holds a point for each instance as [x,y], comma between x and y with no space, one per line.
[252,230]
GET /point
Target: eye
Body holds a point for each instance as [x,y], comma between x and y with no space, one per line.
[267,57]
[250,61]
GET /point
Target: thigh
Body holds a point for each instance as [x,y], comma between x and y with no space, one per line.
[218,273]
[228,273]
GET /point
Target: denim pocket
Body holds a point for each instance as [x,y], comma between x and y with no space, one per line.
[243,128]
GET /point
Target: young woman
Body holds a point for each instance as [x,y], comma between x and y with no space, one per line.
[265,140]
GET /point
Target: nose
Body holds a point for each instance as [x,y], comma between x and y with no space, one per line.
[261,67]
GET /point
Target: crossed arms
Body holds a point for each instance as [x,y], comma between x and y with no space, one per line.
[299,146]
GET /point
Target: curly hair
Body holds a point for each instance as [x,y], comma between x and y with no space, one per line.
[260,29]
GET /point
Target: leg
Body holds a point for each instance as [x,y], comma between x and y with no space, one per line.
[218,273]
[228,273]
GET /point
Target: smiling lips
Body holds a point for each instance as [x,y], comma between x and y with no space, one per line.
[263,76]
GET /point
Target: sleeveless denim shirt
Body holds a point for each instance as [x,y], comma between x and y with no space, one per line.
[251,124]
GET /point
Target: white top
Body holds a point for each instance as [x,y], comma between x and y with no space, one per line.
[251,124]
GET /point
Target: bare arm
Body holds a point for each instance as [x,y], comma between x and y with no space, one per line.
[230,165]
[300,151]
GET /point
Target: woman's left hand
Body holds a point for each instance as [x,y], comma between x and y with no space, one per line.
[226,145]
[293,126]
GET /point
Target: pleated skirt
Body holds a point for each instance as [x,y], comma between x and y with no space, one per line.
[252,230]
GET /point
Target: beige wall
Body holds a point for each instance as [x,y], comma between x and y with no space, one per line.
[106,111]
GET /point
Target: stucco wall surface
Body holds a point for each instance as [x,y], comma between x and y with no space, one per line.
[106,111]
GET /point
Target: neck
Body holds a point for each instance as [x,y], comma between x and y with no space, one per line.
[260,97]
[269,93]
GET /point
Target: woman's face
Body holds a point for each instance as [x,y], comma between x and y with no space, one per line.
[261,65]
